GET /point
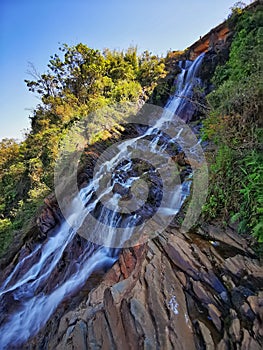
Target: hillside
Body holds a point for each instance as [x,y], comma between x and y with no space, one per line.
[188,280]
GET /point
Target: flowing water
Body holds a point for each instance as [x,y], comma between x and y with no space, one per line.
[24,297]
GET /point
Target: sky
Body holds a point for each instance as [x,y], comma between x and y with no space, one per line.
[32,31]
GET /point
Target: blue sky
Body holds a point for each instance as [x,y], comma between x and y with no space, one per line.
[31,30]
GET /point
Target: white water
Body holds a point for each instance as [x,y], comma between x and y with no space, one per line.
[36,306]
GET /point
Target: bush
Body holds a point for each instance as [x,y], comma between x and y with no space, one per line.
[235,125]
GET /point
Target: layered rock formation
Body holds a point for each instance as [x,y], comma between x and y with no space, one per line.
[199,290]
[194,290]
[217,37]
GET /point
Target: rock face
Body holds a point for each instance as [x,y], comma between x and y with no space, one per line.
[216,38]
[179,291]
[195,290]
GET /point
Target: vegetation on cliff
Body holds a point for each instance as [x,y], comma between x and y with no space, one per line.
[79,80]
[235,125]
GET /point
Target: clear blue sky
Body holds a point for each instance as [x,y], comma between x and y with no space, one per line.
[31,30]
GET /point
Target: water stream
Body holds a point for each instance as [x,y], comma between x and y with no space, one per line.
[25,288]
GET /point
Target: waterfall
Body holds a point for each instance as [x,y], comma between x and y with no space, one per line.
[24,293]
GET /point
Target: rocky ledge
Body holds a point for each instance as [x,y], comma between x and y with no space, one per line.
[201,290]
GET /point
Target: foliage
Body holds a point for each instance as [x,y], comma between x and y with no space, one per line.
[251,191]
[79,80]
[5,234]
[238,8]
[235,125]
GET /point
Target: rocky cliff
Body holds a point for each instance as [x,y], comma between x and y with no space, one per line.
[182,290]
[217,37]
[200,290]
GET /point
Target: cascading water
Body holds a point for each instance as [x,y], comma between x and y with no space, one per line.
[23,296]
